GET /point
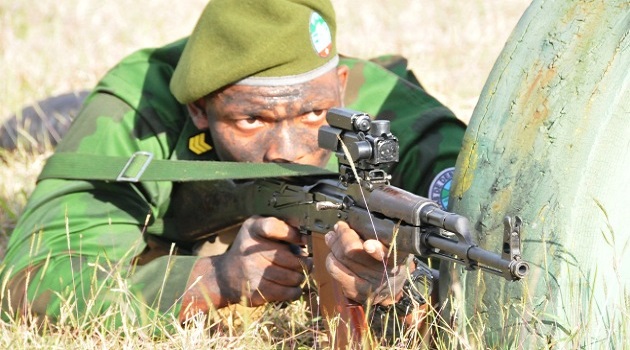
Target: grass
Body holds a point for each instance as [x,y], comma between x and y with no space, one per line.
[49,47]
[52,47]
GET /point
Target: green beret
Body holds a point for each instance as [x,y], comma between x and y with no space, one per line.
[256,42]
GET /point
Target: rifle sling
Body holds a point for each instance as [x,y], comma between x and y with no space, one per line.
[142,167]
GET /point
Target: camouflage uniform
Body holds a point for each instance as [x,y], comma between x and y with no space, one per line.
[73,233]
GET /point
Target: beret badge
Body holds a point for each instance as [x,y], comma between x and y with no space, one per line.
[321,37]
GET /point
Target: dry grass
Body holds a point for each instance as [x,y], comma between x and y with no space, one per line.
[51,47]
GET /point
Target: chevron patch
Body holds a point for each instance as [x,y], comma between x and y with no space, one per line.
[198,145]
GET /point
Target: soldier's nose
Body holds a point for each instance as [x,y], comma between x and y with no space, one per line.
[285,147]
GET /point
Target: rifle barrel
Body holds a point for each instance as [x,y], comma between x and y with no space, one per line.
[477,258]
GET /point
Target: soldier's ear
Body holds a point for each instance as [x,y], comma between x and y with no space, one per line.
[342,76]
[197,111]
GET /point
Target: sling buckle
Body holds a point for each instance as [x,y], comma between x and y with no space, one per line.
[135,167]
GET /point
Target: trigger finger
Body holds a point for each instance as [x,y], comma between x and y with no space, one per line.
[276,229]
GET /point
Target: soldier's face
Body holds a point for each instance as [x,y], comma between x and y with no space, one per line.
[271,123]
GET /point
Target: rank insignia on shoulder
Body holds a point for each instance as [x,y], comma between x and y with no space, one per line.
[441,187]
[198,145]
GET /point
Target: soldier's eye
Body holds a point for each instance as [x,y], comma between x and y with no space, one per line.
[250,123]
[315,116]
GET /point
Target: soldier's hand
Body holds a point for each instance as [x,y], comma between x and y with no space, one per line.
[364,269]
[261,265]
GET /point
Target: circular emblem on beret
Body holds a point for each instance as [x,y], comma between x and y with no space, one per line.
[320,35]
[441,187]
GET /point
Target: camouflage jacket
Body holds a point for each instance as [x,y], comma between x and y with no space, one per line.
[76,240]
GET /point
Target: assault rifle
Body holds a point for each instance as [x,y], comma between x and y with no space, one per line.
[360,195]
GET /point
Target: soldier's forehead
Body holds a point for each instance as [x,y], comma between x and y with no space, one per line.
[316,91]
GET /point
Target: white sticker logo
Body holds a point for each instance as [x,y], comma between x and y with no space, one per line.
[321,37]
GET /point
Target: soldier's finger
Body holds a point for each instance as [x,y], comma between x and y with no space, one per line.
[276,229]
[375,249]
[353,286]
[284,277]
[346,245]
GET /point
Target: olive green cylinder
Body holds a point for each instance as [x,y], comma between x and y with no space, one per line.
[549,141]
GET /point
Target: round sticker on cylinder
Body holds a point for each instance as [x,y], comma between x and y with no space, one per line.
[441,187]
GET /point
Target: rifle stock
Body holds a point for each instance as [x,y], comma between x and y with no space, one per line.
[346,316]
